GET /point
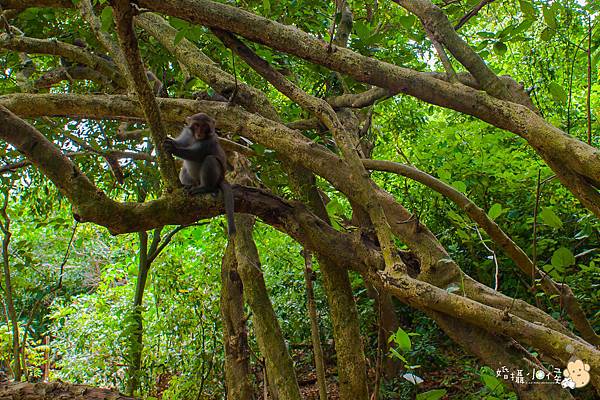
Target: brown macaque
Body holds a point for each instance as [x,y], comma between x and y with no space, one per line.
[159,89]
[204,161]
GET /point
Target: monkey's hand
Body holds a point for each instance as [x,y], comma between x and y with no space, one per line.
[169,145]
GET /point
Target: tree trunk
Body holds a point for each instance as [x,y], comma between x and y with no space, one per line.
[136,327]
[314,327]
[235,336]
[280,367]
[10,305]
[351,362]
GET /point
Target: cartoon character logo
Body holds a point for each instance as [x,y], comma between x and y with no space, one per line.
[577,374]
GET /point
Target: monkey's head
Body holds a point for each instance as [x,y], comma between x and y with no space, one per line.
[201,125]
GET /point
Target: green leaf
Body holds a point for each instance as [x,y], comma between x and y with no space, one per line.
[454,216]
[550,218]
[460,186]
[435,394]
[563,258]
[523,26]
[179,37]
[362,30]
[549,16]
[527,8]
[335,210]
[495,211]
[485,34]
[407,21]
[492,383]
[500,48]
[547,34]
[402,340]
[267,7]
[558,92]
[258,148]
[106,17]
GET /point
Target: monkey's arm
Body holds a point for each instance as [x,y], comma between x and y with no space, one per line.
[196,152]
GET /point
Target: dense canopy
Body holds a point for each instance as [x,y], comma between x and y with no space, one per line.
[407,175]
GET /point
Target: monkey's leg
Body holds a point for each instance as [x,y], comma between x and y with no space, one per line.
[211,175]
[194,190]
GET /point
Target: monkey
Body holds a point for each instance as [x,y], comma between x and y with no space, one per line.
[205,163]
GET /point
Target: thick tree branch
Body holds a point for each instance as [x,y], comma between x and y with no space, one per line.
[435,264]
[204,68]
[326,114]
[123,13]
[582,161]
[437,24]
[545,138]
[71,52]
[427,297]
[315,234]
[56,390]
[499,237]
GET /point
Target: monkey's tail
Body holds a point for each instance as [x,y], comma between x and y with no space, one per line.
[228,200]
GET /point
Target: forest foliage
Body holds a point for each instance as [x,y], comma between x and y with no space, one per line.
[73,283]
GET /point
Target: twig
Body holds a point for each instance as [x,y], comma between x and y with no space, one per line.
[496,273]
[473,12]
[447,64]
[5,23]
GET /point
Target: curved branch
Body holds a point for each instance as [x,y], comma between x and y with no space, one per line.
[579,162]
[435,22]
[326,114]
[547,140]
[204,68]
[427,297]
[66,50]
[296,220]
[499,237]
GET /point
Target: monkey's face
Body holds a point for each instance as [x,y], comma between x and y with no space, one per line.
[201,125]
[201,129]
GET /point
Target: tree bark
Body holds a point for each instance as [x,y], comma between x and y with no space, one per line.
[280,367]
[235,335]
[8,291]
[56,390]
[314,326]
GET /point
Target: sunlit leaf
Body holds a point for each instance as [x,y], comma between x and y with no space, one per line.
[495,211]
[550,218]
[549,16]
[407,21]
[558,92]
[527,8]
[435,394]
[563,257]
[106,18]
